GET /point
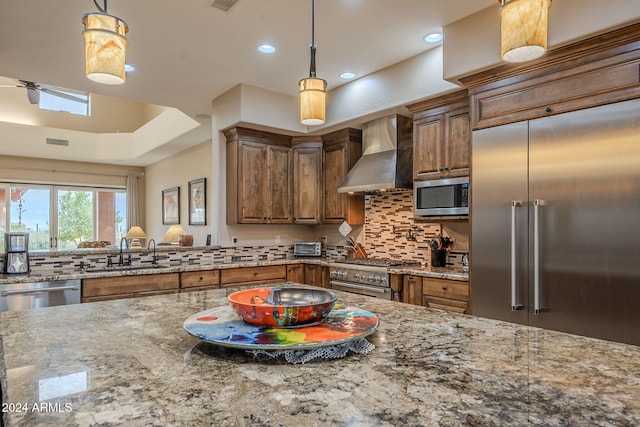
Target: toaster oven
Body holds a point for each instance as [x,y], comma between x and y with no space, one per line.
[307,249]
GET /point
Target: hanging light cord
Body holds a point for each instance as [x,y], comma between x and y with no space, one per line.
[312,68]
[102,9]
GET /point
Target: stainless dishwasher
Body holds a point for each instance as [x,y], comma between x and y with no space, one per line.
[26,296]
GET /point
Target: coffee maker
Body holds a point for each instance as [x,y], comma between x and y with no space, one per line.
[16,257]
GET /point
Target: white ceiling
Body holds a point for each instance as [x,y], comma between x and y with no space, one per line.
[187,53]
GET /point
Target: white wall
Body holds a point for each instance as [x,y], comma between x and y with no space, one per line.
[177,171]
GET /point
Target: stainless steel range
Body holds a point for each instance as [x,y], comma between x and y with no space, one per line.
[365,276]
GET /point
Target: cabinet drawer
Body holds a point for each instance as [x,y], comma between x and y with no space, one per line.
[445,304]
[446,289]
[129,284]
[190,279]
[252,283]
[253,274]
[200,288]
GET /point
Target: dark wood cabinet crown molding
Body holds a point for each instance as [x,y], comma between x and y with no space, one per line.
[257,136]
[440,104]
[596,71]
[340,136]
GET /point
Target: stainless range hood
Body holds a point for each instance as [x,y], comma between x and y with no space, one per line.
[387,157]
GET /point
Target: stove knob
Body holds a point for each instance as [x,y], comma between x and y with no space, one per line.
[370,277]
[344,274]
[356,276]
[332,273]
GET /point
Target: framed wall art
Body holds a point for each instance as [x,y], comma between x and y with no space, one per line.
[198,201]
[171,206]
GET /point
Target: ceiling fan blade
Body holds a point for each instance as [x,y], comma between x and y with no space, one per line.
[11,86]
[33,95]
[64,95]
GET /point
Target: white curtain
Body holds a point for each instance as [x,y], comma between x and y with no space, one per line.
[133,208]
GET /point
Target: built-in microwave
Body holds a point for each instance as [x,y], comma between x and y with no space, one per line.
[441,197]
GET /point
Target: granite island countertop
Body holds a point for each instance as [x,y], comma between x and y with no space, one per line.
[129,362]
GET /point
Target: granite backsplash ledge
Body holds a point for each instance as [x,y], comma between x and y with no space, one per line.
[67,262]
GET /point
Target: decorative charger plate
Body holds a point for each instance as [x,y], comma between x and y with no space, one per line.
[222,326]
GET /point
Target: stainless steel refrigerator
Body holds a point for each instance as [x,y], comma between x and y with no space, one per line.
[555,222]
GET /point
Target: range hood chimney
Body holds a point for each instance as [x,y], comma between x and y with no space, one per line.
[387,157]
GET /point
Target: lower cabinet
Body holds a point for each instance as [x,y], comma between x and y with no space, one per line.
[313,275]
[244,276]
[441,294]
[412,290]
[451,295]
[108,288]
[295,273]
[199,280]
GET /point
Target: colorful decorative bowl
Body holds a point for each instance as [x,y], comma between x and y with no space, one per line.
[282,306]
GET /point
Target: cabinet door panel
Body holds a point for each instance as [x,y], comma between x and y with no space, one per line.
[412,290]
[295,273]
[428,140]
[457,150]
[307,169]
[279,194]
[252,185]
[335,169]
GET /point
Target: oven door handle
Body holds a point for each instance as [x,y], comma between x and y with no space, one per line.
[36,290]
[363,287]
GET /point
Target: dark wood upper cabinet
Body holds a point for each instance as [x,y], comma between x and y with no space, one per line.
[442,136]
[341,150]
[592,72]
[307,185]
[259,171]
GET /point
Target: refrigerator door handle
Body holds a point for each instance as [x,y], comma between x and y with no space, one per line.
[514,280]
[536,255]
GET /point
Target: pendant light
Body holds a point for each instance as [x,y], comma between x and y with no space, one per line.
[524,25]
[104,45]
[313,93]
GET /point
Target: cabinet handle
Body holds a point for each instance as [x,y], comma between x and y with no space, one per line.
[440,169]
[536,255]
[514,282]
[444,288]
[201,278]
[446,168]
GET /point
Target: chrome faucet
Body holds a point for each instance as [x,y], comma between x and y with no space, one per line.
[154,258]
[121,261]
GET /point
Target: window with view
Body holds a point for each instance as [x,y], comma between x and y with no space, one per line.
[70,101]
[62,217]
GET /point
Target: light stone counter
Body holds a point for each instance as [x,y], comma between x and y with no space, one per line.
[138,270]
[129,362]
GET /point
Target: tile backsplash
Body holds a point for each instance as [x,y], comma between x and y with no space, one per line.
[390,231]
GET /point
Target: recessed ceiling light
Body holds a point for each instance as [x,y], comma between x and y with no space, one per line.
[266,48]
[347,75]
[129,68]
[433,37]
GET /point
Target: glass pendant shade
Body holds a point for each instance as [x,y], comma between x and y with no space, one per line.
[524,25]
[313,97]
[104,44]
